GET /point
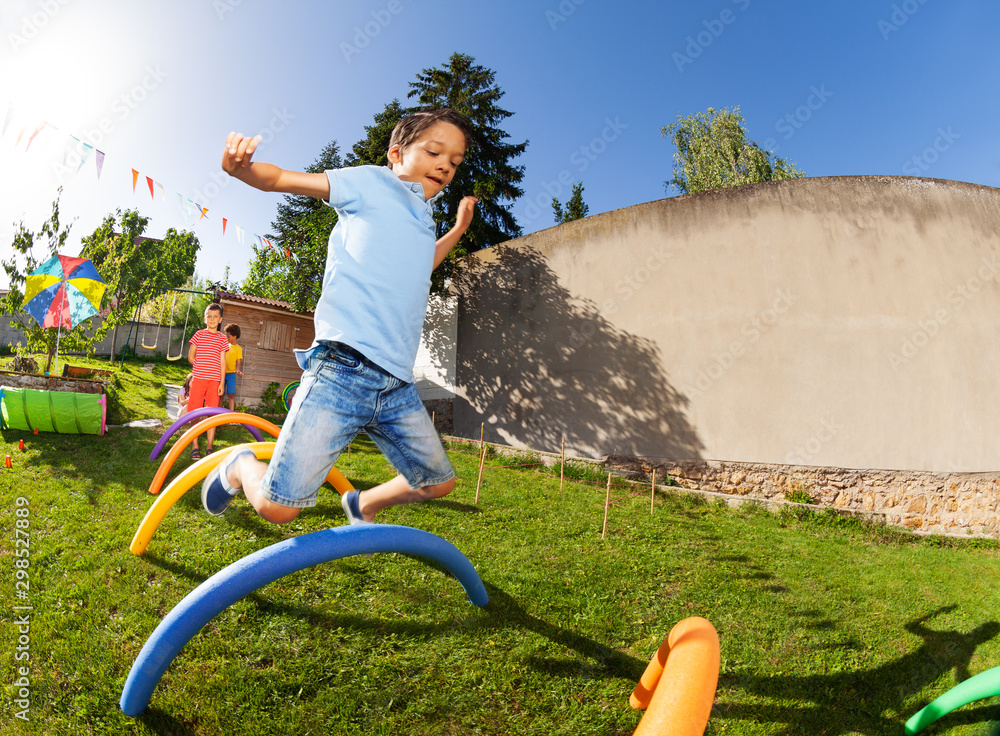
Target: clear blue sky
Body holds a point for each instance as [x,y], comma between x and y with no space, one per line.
[840,88]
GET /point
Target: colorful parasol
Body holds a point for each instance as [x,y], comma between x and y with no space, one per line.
[63,292]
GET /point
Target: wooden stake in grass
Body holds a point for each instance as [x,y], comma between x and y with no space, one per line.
[607,505]
[652,492]
[562,462]
[482,462]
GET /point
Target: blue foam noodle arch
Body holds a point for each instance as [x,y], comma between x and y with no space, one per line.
[244,576]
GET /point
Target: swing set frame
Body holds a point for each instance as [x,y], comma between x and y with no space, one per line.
[130,340]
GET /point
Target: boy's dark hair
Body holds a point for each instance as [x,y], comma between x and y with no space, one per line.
[410,128]
[215,307]
[233,329]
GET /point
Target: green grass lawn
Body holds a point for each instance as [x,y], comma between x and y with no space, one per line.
[826,626]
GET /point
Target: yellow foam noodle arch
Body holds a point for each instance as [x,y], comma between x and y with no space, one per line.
[203,426]
[198,472]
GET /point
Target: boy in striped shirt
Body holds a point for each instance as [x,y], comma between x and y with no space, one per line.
[208,356]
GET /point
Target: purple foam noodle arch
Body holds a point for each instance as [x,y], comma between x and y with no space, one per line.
[205,411]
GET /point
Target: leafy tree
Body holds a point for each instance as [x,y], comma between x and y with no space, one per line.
[41,339]
[576,208]
[713,151]
[137,268]
[302,228]
[487,171]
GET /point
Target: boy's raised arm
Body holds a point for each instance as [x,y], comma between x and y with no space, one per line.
[463,218]
[237,162]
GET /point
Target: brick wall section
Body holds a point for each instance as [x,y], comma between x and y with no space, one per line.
[963,504]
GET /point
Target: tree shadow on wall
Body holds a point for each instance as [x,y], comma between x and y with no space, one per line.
[537,364]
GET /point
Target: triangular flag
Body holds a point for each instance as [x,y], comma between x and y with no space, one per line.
[135,178]
[187,209]
[84,155]
[99,160]
[288,254]
[239,235]
[223,225]
[38,129]
[163,194]
[150,183]
[10,116]
[204,210]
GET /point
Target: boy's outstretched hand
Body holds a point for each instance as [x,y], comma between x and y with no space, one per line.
[239,152]
[466,208]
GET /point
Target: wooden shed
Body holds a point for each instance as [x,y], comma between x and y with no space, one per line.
[269,331]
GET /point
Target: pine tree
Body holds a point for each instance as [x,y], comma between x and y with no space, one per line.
[487,171]
[576,208]
[373,149]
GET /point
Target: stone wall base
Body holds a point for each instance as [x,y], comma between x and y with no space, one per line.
[960,504]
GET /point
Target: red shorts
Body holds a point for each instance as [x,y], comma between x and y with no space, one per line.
[203,393]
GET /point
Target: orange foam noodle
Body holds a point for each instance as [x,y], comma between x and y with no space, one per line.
[678,686]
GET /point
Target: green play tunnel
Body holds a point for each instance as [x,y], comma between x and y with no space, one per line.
[65,412]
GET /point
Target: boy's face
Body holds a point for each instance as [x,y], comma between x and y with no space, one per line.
[432,159]
[231,337]
[212,319]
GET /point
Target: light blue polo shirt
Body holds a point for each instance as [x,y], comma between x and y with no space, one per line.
[378,268]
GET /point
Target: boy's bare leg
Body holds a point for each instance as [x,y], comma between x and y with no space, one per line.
[247,473]
[397,491]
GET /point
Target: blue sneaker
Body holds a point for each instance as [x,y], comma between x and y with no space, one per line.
[216,493]
[352,507]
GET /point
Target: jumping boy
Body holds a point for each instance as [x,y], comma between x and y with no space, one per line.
[234,363]
[208,358]
[358,373]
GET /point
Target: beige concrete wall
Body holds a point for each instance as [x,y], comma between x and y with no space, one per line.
[847,322]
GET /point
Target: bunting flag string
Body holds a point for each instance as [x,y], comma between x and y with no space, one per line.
[74,153]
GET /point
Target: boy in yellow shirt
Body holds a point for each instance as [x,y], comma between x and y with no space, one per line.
[234,363]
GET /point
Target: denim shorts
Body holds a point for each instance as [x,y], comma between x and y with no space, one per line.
[340,394]
[231,383]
